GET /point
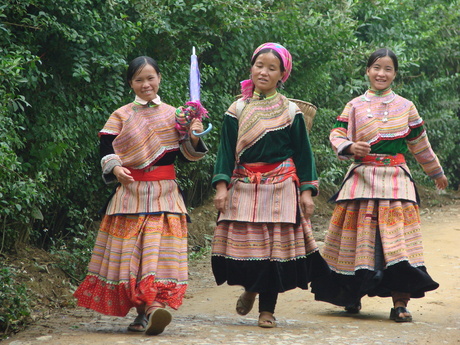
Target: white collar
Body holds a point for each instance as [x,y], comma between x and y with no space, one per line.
[156,100]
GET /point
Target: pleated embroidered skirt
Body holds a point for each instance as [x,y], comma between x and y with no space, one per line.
[266,257]
[137,260]
[373,247]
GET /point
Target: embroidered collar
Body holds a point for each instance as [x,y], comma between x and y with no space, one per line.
[262,96]
[381,94]
[153,102]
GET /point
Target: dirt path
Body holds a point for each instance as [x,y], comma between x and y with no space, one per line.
[207,315]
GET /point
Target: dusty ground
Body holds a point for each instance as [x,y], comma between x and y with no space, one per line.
[207,315]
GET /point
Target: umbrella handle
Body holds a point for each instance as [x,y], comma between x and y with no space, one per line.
[206,131]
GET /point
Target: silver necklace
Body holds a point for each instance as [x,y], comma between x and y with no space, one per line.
[386,103]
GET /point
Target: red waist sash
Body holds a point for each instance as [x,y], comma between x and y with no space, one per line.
[274,172]
[261,167]
[161,172]
[382,160]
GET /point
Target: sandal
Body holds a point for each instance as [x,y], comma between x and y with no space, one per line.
[353,308]
[139,323]
[158,320]
[266,320]
[395,312]
[244,305]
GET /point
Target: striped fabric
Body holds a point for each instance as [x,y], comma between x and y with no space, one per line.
[367,181]
[261,197]
[189,152]
[366,118]
[147,197]
[420,147]
[263,241]
[140,255]
[136,260]
[144,133]
[261,203]
[350,241]
[259,117]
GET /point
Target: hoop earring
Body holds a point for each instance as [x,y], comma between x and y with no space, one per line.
[280,84]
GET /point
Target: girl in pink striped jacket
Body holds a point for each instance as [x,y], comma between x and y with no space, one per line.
[374,243]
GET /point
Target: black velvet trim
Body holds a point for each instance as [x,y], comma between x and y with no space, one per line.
[106,145]
[345,290]
[265,275]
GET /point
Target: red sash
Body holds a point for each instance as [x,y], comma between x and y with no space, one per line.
[276,172]
[261,167]
[161,172]
[382,160]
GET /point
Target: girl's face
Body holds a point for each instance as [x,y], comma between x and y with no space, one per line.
[266,72]
[381,73]
[146,83]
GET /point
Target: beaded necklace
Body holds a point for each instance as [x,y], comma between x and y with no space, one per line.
[386,103]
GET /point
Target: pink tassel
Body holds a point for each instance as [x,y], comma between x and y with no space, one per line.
[185,115]
[247,88]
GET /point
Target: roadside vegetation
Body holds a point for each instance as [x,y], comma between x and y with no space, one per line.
[62,66]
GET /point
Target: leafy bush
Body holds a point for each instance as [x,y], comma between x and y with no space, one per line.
[62,71]
[74,255]
[62,74]
[13,302]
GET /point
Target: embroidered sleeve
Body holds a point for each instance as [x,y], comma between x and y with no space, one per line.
[414,118]
[108,163]
[339,136]
[420,147]
[193,154]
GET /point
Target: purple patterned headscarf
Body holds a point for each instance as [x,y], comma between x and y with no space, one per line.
[247,86]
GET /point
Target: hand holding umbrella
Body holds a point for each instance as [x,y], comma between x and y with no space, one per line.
[192,109]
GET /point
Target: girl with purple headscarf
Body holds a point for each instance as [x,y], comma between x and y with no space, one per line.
[265,180]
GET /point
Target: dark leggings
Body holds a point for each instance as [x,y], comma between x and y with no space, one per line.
[267,301]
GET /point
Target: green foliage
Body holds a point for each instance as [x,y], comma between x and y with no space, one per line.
[13,302]
[62,73]
[53,108]
[330,169]
[62,66]
[74,250]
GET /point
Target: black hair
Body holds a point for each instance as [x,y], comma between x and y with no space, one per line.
[269,50]
[380,53]
[136,65]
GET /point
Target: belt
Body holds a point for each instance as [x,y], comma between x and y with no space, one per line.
[161,172]
[382,160]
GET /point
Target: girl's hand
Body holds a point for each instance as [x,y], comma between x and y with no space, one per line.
[441,182]
[221,198]
[123,175]
[306,203]
[360,148]
[197,126]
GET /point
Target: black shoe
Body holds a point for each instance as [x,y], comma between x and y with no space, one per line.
[353,308]
[394,314]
